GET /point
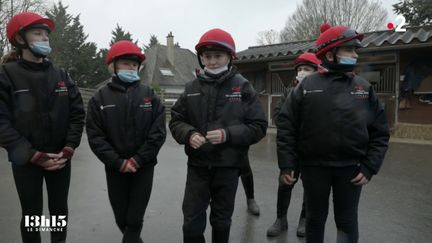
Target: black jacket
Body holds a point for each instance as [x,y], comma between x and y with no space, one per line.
[278,106]
[219,102]
[124,122]
[332,119]
[40,110]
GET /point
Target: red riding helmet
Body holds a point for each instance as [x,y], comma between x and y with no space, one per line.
[124,48]
[308,59]
[336,36]
[216,39]
[25,20]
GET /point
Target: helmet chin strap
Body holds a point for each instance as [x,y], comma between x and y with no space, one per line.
[230,62]
[26,45]
[334,51]
[115,68]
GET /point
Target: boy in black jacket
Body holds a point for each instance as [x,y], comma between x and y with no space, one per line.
[334,128]
[217,118]
[126,129]
[304,65]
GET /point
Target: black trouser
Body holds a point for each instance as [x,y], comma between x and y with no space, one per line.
[317,182]
[247,179]
[284,199]
[216,186]
[129,194]
[29,181]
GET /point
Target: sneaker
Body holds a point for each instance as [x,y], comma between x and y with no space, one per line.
[279,226]
[252,207]
[301,228]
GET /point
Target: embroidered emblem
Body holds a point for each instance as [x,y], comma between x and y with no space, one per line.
[147,106]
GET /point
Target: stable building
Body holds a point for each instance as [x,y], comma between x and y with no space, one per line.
[398,65]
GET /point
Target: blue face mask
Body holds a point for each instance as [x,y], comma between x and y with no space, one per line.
[41,47]
[347,60]
[128,76]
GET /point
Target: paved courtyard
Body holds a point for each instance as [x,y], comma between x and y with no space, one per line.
[396,207]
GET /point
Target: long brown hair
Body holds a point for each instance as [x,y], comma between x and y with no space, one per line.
[11,56]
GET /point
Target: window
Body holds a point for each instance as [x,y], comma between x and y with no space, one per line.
[281,80]
[381,76]
[257,79]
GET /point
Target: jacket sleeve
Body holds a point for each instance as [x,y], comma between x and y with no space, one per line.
[254,125]
[379,134]
[20,151]
[76,116]
[280,103]
[156,137]
[98,140]
[179,125]
[287,124]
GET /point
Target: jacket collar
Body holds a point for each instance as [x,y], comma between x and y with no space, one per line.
[220,78]
[336,71]
[44,65]
[330,67]
[120,85]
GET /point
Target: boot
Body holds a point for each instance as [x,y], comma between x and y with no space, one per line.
[253,207]
[220,235]
[279,226]
[301,228]
[193,239]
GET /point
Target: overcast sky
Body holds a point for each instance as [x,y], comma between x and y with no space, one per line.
[187,19]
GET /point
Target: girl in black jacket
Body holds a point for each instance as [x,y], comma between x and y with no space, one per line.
[126,129]
[41,122]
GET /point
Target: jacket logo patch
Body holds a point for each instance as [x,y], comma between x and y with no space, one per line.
[193,94]
[305,92]
[61,88]
[360,92]
[102,107]
[147,106]
[236,89]
[61,84]
[235,96]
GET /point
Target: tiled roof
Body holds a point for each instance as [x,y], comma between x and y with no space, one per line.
[371,39]
[185,63]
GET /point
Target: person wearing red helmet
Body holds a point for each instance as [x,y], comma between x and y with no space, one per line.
[126,128]
[219,40]
[304,65]
[41,122]
[334,129]
[226,43]
[217,118]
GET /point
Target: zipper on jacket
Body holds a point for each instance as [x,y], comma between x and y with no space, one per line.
[130,125]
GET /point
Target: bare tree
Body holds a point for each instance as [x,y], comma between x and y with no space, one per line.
[8,8]
[268,37]
[362,15]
